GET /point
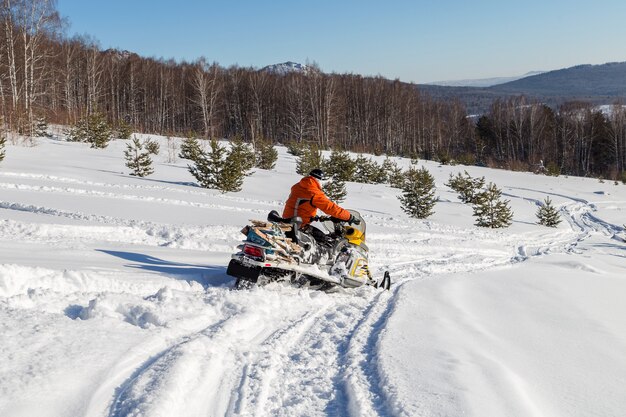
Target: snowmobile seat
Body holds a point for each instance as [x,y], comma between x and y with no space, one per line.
[274,217]
[295,222]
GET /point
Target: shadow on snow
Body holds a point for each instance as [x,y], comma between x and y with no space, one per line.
[206,275]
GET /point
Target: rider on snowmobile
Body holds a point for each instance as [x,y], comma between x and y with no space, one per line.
[307,196]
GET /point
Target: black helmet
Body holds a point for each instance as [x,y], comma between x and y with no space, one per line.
[317,173]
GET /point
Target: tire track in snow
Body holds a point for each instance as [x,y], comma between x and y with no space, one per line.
[223,369]
[361,379]
[191,189]
[127,197]
[261,368]
[216,238]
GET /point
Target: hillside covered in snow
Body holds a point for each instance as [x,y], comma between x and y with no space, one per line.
[114,299]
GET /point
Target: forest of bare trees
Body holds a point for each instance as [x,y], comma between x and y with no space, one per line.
[46,74]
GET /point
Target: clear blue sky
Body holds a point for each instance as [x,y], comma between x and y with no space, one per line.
[418,41]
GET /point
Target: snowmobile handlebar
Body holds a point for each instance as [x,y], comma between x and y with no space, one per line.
[326,219]
[335,220]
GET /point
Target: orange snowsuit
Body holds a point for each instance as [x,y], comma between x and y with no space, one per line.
[306,197]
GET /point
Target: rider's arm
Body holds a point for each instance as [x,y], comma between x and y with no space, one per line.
[322,202]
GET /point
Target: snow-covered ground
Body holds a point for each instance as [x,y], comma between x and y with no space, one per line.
[114,300]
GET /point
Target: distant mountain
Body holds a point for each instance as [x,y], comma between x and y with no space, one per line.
[597,84]
[579,82]
[483,82]
[287,68]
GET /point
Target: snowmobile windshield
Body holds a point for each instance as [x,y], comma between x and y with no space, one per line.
[359,227]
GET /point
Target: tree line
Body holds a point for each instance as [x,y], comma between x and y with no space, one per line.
[46,74]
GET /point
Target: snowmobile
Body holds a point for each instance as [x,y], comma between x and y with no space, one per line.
[328,253]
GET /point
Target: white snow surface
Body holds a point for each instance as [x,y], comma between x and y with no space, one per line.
[114,300]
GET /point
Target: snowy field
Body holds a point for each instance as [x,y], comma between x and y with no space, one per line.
[114,300]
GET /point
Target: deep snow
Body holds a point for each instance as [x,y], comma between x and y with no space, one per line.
[114,299]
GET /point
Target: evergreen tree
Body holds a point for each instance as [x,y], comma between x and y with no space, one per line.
[552,169]
[78,132]
[490,211]
[221,169]
[138,157]
[266,155]
[418,193]
[394,174]
[208,166]
[238,163]
[98,131]
[548,214]
[41,128]
[153,147]
[335,189]
[368,171]
[310,159]
[190,148]
[241,156]
[3,141]
[296,148]
[339,166]
[466,186]
[124,129]
[93,129]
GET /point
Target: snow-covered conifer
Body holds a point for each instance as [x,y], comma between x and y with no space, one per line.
[153,147]
[339,166]
[418,193]
[368,171]
[208,165]
[93,129]
[490,210]
[335,189]
[266,155]
[310,159]
[295,148]
[466,186]
[99,131]
[237,164]
[221,169]
[395,175]
[138,157]
[548,215]
[78,132]
[40,128]
[124,130]
[190,148]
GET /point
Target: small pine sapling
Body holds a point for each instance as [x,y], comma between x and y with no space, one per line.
[368,171]
[548,215]
[339,166]
[190,149]
[124,130]
[394,174]
[310,159]
[40,129]
[266,155]
[296,148]
[138,158]
[153,147]
[335,189]
[208,166]
[237,165]
[490,210]
[418,193]
[99,131]
[466,186]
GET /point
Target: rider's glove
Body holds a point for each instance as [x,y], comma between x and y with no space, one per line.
[353,220]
